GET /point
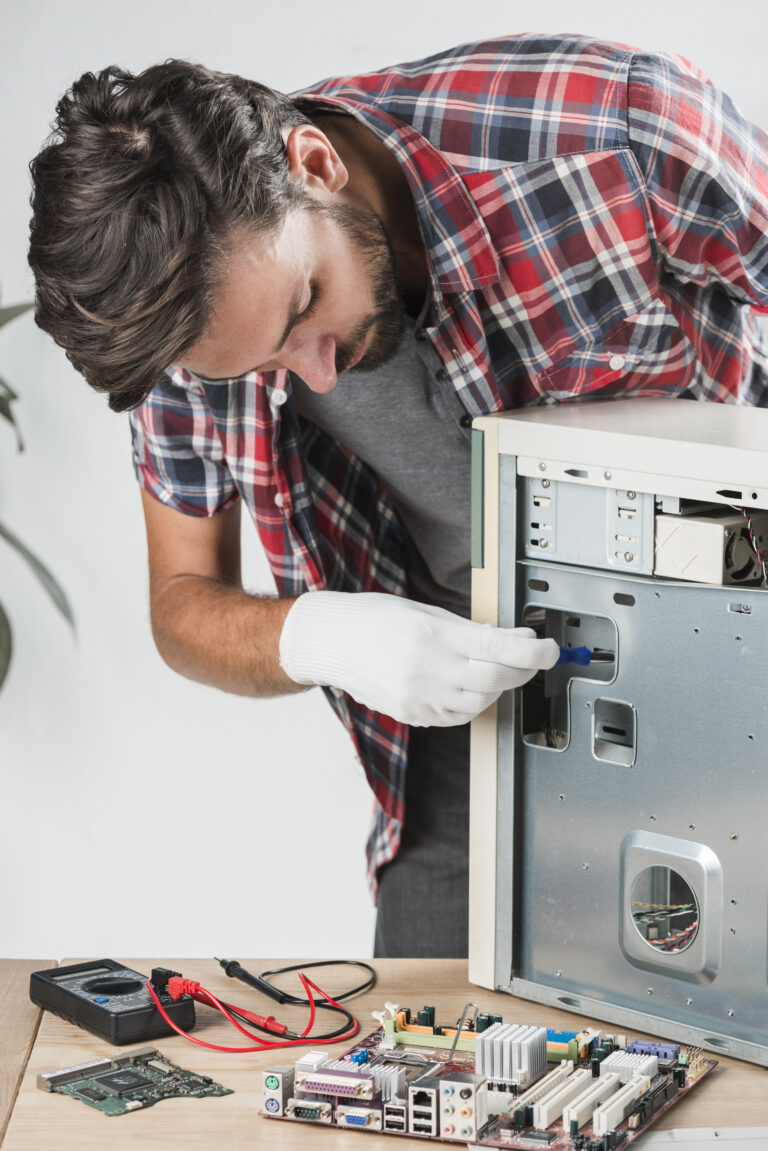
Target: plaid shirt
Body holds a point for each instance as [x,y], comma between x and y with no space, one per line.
[596,224]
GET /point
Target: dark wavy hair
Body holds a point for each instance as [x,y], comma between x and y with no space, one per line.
[135,196]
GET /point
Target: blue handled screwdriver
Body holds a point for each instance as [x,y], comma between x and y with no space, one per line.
[583,656]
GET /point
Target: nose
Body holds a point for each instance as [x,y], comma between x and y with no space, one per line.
[314,361]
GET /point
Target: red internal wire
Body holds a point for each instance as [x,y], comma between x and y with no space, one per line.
[202,995]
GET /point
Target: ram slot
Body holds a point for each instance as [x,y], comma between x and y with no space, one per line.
[580,1110]
[608,1116]
[550,1108]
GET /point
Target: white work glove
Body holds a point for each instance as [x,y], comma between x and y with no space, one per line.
[421,665]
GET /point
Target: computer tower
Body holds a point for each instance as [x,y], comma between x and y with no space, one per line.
[619,810]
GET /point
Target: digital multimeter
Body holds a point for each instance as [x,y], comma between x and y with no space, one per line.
[109,1000]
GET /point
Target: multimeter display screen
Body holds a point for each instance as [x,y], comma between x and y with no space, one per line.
[79,975]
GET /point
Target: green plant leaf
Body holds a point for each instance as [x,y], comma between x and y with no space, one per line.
[6,645]
[7,396]
[49,582]
[8,391]
[10,313]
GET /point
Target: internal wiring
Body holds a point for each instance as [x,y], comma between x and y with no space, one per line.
[753,540]
[661,912]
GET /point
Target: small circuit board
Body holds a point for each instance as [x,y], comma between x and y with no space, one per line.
[137,1079]
[489,1083]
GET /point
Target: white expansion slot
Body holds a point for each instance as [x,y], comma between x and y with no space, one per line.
[608,1116]
[550,1108]
[580,1110]
[500,1103]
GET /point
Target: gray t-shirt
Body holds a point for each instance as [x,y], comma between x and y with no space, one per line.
[406,423]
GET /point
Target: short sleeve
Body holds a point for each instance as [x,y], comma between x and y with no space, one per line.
[706,172]
[177,453]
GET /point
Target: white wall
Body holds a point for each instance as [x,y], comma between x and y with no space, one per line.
[141,813]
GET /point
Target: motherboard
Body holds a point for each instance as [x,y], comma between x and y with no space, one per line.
[140,1078]
[483,1081]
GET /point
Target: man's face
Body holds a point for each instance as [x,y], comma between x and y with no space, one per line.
[319,297]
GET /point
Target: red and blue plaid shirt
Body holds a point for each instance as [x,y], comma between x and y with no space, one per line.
[596,224]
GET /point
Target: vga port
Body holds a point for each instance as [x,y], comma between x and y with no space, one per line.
[358,1117]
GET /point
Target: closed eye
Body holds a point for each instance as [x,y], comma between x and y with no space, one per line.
[308,311]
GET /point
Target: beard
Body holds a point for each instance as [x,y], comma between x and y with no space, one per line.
[383,327]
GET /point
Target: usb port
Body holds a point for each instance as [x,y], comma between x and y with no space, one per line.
[394,1125]
[422,1129]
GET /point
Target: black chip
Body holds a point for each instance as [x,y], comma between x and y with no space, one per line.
[193,1083]
[121,1081]
[89,1093]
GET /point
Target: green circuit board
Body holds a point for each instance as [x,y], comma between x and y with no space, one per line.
[135,1080]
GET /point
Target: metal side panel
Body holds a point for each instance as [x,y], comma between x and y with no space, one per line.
[483,799]
[685,786]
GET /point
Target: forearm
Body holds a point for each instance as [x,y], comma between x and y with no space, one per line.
[220,635]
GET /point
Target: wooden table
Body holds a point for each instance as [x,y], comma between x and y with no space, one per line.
[19,1020]
[735,1095]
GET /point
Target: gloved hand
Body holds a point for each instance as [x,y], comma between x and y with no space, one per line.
[421,665]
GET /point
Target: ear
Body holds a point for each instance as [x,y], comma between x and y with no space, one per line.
[314,161]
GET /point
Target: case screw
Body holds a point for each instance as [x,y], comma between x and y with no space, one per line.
[545,483]
[650,991]
[730,1015]
[688,1002]
[542,467]
[631,495]
[628,556]
[607,475]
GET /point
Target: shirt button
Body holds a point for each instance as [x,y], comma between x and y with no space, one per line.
[279,396]
[279,499]
[441,374]
[466,421]
[616,363]
[421,333]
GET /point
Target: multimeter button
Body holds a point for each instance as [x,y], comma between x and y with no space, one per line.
[100,999]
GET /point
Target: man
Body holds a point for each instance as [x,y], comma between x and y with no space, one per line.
[305,302]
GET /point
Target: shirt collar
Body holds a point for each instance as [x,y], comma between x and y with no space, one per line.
[459,249]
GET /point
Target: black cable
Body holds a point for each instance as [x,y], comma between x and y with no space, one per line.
[260,983]
[366,986]
[349,1020]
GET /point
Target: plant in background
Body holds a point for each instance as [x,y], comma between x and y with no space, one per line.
[51,585]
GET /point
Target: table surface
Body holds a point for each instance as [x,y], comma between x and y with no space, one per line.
[734,1095]
[19,1020]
